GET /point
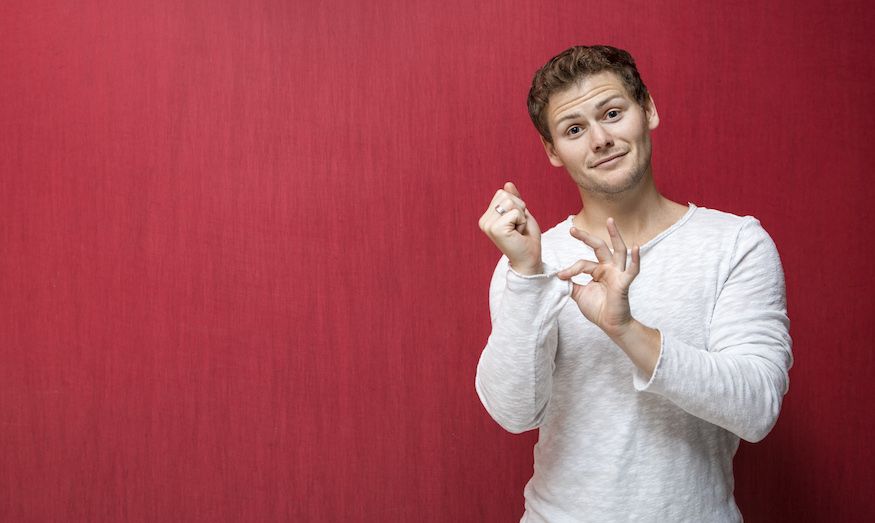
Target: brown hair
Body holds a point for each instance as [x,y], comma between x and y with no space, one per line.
[571,67]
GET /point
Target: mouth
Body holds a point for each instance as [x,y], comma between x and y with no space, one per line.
[609,160]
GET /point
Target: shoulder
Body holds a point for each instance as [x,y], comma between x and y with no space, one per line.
[723,225]
[738,237]
[704,217]
[713,234]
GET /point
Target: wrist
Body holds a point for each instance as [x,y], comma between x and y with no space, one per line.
[632,333]
[527,269]
[641,343]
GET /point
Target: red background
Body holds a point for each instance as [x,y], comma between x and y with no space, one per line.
[242,277]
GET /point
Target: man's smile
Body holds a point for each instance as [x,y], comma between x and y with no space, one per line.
[609,160]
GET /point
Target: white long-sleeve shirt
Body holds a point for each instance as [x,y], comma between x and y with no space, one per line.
[614,445]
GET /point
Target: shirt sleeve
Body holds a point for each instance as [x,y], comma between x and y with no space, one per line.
[739,380]
[515,373]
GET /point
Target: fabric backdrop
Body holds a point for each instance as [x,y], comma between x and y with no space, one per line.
[241,274]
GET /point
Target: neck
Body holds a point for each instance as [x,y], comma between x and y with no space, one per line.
[641,213]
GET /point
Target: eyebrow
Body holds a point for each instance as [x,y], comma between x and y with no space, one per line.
[598,106]
[572,116]
[606,101]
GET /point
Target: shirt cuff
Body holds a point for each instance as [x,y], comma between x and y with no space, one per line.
[640,380]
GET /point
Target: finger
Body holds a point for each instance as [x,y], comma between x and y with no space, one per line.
[579,267]
[506,201]
[490,216]
[520,219]
[501,203]
[511,188]
[523,223]
[602,253]
[618,244]
[507,205]
[513,194]
[511,203]
[512,219]
[635,264]
[510,199]
[576,290]
[484,220]
[532,225]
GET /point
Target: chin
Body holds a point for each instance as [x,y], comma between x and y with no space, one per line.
[621,183]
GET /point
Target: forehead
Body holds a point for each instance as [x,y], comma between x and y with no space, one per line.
[586,94]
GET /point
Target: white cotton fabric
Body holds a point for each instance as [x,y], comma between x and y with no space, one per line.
[615,445]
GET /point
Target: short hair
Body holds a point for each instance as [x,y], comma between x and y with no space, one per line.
[571,67]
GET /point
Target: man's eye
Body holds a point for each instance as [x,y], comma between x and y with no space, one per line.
[574,130]
[613,113]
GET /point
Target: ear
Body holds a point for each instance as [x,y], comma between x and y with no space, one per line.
[551,153]
[650,113]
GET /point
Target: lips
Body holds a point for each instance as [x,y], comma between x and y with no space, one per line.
[608,159]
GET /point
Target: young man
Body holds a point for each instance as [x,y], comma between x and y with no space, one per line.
[641,368]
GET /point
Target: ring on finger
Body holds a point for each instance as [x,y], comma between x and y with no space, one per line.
[500,210]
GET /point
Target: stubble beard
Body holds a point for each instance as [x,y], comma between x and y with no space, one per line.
[604,191]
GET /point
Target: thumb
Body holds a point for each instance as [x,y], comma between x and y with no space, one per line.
[511,188]
[576,290]
[532,224]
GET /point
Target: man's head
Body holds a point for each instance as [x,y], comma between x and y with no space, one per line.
[571,67]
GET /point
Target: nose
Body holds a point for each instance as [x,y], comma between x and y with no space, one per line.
[600,138]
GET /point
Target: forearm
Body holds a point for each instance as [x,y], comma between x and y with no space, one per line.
[514,375]
[740,389]
[641,344]
[735,371]
[514,383]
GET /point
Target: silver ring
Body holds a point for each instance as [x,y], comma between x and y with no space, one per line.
[499,209]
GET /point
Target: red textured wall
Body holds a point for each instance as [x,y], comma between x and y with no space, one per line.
[241,274]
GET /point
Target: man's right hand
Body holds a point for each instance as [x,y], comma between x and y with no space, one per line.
[515,232]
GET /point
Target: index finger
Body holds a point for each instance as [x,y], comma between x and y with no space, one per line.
[599,247]
[511,199]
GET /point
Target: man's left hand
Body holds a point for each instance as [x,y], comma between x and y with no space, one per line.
[605,300]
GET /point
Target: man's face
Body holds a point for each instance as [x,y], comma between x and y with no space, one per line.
[600,135]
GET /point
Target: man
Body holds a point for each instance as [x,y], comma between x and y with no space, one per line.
[641,368]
